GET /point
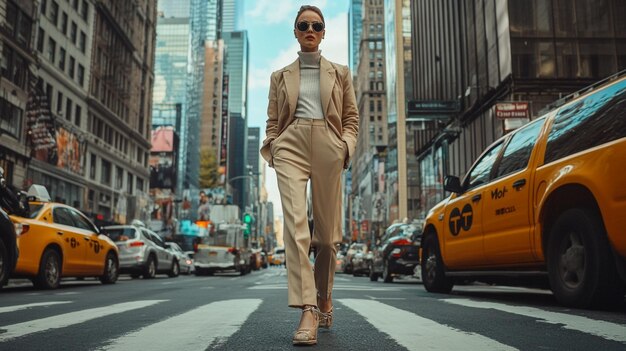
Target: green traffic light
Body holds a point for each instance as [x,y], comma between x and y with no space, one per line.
[247,218]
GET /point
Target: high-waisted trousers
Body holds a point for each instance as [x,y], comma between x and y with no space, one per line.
[309,149]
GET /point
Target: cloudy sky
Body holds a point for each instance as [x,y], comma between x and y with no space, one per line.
[273,46]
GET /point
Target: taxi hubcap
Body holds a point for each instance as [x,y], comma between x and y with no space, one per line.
[111,268]
[52,271]
[572,261]
[431,267]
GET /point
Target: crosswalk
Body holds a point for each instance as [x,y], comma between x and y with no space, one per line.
[209,326]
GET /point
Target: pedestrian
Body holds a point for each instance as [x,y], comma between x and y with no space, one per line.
[311,133]
[204,209]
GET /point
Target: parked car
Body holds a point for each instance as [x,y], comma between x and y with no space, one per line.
[185,260]
[11,203]
[223,251]
[58,241]
[142,251]
[352,250]
[359,261]
[547,200]
[278,258]
[397,252]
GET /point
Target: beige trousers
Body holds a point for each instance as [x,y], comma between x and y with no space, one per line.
[309,149]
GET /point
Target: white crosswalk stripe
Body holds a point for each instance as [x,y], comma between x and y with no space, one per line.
[31,305]
[68,319]
[418,333]
[195,330]
[607,330]
[335,287]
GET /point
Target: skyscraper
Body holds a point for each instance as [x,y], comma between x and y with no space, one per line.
[355,30]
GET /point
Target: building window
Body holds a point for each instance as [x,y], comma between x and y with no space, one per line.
[44,7]
[71,68]
[64,23]
[379,106]
[77,115]
[18,24]
[139,184]
[62,59]
[82,41]
[54,13]
[14,67]
[40,38]
[92,167]
[10,119]
[371,105]
[59,103]
[52,48]
[75,4]
[105,175]
[73,33]
[81,74]
[129,183]
[84,10]
[119,177]
[68,109]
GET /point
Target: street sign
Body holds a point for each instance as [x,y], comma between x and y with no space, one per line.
[432,107]
[515,109]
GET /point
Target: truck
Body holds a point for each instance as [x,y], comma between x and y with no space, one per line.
[544,202]
[223,247]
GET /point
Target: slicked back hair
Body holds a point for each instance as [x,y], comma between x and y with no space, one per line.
[308,8]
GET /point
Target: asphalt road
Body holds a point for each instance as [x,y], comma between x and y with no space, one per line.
[231,312]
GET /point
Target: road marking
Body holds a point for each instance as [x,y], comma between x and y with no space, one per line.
[195,330]
[336,287]
[64,320]
[67,293]
[30,305]
[606,330]
[385,298]
[418,333]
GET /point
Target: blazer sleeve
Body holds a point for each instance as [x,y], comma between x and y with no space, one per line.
[350,115]
[271,124]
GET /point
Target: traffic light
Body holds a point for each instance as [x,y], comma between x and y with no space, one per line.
[247,220]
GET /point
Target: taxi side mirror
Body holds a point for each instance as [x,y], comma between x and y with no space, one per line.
[452,184]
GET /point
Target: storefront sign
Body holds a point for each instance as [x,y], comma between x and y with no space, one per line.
[517,109]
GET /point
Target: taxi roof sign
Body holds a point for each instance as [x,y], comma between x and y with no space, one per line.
[39,193]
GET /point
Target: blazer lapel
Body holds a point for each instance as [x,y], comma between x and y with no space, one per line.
[291,75]
[327,81]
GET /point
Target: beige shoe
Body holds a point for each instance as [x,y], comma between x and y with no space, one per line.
[326,319]
[307,336]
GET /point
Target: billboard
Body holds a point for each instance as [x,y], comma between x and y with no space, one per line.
[162,161]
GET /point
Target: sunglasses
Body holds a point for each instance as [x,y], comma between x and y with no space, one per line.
[304,26]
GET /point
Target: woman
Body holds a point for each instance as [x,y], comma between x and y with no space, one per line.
[311,133]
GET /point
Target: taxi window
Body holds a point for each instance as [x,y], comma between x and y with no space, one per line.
[81,222]
[121,234]
[517,152]
[480,174]
[34,210]
[62,216]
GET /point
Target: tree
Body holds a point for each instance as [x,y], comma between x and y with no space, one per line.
[209,175]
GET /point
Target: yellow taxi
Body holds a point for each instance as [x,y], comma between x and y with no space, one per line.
[546,201]
[58,241]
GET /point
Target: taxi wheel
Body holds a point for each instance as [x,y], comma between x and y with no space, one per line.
[387,277]
[581,269]
[4,264]
[175,271]
[433,274]
[373,275]
[150,270]
[111,269]
[49,276]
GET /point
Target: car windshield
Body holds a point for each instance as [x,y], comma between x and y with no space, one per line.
[34,210]
[121,234]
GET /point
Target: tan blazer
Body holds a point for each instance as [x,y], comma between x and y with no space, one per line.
[338,104]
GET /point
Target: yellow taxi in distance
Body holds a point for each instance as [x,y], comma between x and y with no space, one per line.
[58,241]
[547,200]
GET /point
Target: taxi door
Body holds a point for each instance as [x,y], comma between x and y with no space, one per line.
[463,239]
[74,246]
[94,259]
[507,204]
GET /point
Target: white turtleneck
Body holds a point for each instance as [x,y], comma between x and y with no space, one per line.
[309,100]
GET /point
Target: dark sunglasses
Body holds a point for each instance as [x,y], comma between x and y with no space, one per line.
[304,26]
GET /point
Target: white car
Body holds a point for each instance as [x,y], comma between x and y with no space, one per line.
[185,259]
